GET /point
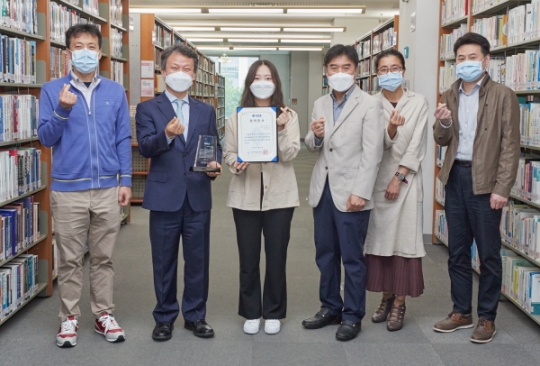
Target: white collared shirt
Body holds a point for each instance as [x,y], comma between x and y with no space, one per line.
[467,114]
[185,112]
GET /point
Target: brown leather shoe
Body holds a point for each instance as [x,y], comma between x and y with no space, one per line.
[454,322]
[395,319]
[384,309]
[484,331]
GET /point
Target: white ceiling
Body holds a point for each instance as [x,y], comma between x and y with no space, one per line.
[375,9]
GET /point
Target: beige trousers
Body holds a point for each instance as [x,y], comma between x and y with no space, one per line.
[93,216]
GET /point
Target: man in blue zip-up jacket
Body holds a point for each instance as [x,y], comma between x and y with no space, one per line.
[85,118]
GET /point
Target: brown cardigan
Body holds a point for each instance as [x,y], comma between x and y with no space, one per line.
[497,141]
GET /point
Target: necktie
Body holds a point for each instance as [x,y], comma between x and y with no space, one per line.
[180,114]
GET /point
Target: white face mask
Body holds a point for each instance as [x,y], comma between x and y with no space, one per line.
[341,81]
[179,81]
[262,89]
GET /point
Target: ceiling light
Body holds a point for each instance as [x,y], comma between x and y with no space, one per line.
[253,40]
[224,59]
[318,29]
[325,11]
[243,29]
[246,11]
[306,41]
[195,29]
[212,48]
[205,39]
[165,10]
[300,48]
[254,48]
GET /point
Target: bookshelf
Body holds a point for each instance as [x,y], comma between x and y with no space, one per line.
[514,37]
[146,47]
[368,46]
[40,40]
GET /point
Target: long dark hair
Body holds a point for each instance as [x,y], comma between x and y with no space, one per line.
[248,99]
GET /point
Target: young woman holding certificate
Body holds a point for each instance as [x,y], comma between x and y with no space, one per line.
[394,247]
[262,197]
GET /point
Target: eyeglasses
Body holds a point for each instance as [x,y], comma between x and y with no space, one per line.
[385,70]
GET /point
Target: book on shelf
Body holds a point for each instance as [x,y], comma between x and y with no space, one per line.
[91,6]
[493,28]
[440,193]
[20,15]
[527,184]
[117,71]
[448,40]
[452,10]
[384,40]
[60,63]
[521,282]
[18,282]
[441,227]
[18,117]
[529,122]
[364,48]
[18,63]
[20,172]
[116,43]
[117,13]
[62,18]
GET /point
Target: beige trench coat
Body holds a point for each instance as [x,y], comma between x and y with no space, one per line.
[395,227]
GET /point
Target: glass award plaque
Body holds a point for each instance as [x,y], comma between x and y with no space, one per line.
[206,154]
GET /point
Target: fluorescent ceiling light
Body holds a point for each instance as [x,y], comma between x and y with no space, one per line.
[246,11]
[210,48]
[325,11]
[254,48]
[306,41]
[253,40]
[243,29]
[195,29]
[205,39]
[300,48]
[319,29]
[165,10]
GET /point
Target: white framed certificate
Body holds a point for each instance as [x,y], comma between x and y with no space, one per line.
[257,134]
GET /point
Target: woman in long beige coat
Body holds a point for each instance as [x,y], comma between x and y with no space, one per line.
[394,247]
[263,197]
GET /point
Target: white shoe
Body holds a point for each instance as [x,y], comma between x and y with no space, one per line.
[251,326]
[272,326]
[107,326]
[67,334]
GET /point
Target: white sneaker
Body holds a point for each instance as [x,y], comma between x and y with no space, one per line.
[67,334]
[251,326]
[272,326]
[107,326]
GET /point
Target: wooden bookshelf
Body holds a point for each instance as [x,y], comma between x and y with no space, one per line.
[475,10]
[147,44]
[368,46]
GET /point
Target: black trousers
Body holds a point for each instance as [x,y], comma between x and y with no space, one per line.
[469,217]
[275,225]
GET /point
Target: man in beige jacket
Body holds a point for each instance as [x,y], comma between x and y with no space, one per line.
[347,133]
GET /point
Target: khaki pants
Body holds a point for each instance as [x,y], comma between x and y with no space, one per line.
[92,215]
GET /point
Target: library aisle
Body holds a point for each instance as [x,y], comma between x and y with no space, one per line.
[29,337]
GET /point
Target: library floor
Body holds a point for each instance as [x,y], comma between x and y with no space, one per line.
[29,337]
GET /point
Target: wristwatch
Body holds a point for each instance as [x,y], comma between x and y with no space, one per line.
[401,177]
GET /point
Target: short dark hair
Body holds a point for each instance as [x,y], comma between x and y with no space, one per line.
[472,38]
[184,50]
[78,29]
[389,52]
[341,50]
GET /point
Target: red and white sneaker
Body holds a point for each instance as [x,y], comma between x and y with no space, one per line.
[107,326]
[67,334]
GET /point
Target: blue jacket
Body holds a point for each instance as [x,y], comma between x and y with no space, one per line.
[92,146]
[171,180]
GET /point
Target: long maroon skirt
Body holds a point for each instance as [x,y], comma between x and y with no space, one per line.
[398,275]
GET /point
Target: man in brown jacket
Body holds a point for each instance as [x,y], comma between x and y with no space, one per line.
[478,120]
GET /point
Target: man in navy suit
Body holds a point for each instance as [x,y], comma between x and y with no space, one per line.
[179,199]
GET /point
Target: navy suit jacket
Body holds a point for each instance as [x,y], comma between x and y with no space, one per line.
[170,179]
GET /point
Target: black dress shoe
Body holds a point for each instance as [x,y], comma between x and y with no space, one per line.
[321,319]
[162,331]
[200,328]
[348,330]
